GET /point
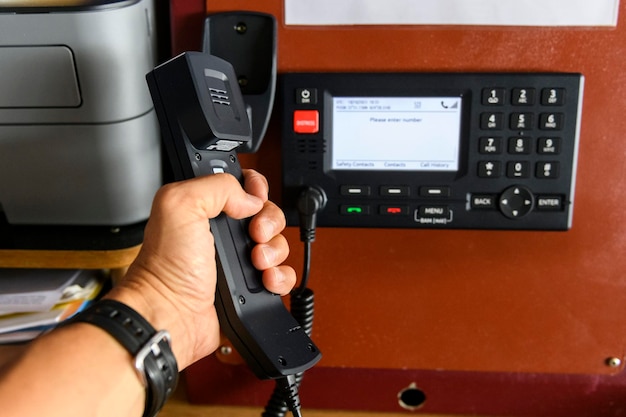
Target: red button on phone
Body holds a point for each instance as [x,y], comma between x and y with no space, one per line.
[306,121]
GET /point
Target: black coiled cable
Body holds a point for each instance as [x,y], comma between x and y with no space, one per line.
[302,299]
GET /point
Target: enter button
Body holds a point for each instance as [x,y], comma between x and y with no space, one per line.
[550,202]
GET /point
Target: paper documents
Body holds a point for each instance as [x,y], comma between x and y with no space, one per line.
[453,12]
[32,301]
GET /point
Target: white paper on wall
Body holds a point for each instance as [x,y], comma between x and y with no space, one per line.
[453,12]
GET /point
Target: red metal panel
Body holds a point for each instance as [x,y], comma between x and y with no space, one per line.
[516,323]
[446,392]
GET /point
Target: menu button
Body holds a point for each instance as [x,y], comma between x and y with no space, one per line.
[434,211]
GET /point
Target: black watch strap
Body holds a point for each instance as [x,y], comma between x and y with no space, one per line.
[154,361]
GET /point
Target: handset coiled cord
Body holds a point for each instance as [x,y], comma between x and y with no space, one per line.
[285,395]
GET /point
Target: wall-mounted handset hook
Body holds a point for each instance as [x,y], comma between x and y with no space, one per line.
[203,121]
[247,40]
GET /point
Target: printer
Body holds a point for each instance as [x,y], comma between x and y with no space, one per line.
[79,138]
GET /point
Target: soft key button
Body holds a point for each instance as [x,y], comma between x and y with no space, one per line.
[394,191]
[355,190]
[435,191]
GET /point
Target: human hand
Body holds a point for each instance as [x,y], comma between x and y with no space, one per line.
[172,281]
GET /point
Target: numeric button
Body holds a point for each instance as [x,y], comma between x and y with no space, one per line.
[521,121]
[551,121]
[493,96]
[549,146]
[489,169]
[490,145]
[547,170]
[553,96]
[519,145]
[491,121]
[523,97]
[518,169]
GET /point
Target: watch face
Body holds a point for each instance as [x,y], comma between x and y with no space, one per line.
[62,5]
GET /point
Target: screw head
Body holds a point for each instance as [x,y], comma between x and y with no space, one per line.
[614,362]
[241,28]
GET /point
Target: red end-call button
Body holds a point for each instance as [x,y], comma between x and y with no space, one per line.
[306,121]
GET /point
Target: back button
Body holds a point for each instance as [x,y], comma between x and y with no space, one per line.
[483,201]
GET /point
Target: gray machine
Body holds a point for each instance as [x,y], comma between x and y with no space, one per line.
[79,139]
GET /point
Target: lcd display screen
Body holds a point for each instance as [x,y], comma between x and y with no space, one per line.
[396,133]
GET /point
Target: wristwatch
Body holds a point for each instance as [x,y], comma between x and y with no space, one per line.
[154,361]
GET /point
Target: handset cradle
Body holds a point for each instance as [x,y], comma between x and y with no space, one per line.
[203,120]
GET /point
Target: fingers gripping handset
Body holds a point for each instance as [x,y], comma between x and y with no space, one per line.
[203,120]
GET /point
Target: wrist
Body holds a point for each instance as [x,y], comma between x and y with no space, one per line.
[154,361]
[158,310]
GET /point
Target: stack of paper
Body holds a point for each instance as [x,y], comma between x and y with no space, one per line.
[35,300]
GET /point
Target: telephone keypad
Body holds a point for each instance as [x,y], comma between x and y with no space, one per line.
[514,163]
[516,202]
[522,122]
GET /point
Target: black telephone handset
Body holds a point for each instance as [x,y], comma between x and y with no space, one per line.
[203,120]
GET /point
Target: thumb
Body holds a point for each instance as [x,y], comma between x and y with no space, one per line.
[208,196]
